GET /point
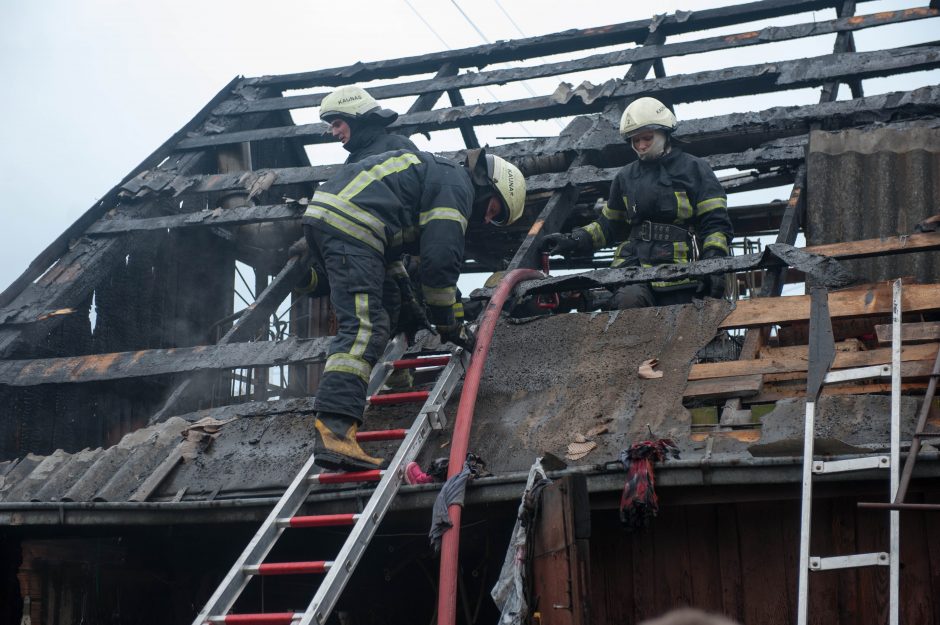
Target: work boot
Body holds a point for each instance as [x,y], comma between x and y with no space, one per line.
[337,448]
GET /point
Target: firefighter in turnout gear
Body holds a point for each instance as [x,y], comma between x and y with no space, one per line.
[356,119]
[658,205]
[359,222]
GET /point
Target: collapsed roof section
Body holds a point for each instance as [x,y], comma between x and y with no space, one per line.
[128,319]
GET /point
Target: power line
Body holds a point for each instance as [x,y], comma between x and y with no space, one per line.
[426,23]
[509,17]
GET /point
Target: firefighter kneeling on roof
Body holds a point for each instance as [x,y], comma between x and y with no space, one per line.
[658,205]
[359,222]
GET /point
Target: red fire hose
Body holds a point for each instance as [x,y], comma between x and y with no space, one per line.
[447,591]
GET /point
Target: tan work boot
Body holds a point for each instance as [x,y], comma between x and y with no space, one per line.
[341,452]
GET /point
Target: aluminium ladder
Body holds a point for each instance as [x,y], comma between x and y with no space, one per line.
[821,356]
[364,524]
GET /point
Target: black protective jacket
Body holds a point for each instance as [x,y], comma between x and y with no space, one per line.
[369,139]
[402,202]
[654,210]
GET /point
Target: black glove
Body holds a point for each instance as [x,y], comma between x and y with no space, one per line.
[712,285]
[563,244]
[458,334]
[411,319]
[298,248]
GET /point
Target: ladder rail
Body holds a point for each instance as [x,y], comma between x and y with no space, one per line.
[359,538]
[895,515]
[258,547]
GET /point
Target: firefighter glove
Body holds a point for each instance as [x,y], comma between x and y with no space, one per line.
[412,318]
[564,244]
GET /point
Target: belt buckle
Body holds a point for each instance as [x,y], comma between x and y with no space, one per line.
[646,231]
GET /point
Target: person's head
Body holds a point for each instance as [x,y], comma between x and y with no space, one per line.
[348,107]
[500,188]
[647,124]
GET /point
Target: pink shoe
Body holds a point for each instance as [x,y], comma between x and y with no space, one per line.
[414,475]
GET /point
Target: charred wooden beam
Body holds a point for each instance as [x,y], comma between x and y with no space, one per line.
[123,365]
[736,81]
[642,59]
[737,131]
[466,128]
[557,43]
[218,217]
[845,42]
[790,224]
[428,99]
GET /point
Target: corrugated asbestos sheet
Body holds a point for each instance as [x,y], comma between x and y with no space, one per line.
[864,184]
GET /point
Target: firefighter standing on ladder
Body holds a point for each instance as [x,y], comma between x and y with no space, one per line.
[359,222]
[655,203]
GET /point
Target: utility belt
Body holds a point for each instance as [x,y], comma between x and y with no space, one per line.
[652,231]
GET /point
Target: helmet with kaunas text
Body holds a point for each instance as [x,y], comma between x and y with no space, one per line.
[352,102]
[510,185]
[646,114]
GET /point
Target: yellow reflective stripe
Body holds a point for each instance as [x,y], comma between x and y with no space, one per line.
[458,310]
[435,296]
[710,204]
[597,234]
[680,253]
[360,233]
[396,269]
[365,325]
[443,212]
[347,363]
[391,166]
[667,284]
[618,262]
[352,211]
[683,207]
[716,240]
[311,283]
[613,214]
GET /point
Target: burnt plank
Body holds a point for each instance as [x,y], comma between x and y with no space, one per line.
[123,365]
[642,59]
[723,83]
[557,43]
[204,218]
[428,99]
[789,228]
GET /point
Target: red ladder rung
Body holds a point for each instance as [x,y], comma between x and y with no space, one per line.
[349,477]
[271,618]
[411,397]
[413,363]
[381,435]
[320,520]
[289,568]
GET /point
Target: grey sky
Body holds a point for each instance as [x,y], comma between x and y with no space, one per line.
[94,86]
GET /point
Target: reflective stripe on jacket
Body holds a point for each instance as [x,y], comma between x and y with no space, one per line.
[402,202]
[678,189]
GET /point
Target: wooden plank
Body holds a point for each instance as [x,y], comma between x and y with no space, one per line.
[843,360]
[123,365]
[556,43]
[872,300]
[775,392]
[799,351]
[732,386]
[723,83]
[910,332]
[902,244]
[789,229]
[205,218]
[642,58]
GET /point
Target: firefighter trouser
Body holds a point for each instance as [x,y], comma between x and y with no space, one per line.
[357,285]
[643,296]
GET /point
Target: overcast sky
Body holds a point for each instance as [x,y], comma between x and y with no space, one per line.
[94,86]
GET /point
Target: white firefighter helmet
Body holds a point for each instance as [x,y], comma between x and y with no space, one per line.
[646,114]
[510,185]
[352,102]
